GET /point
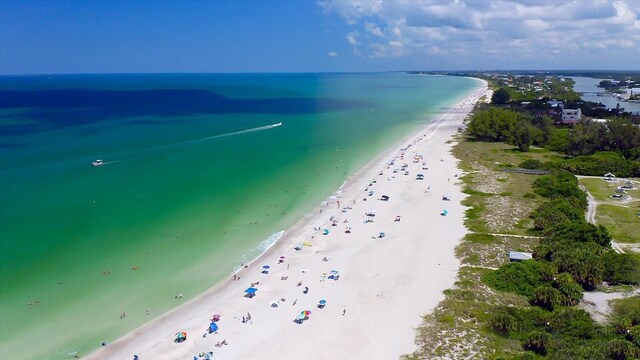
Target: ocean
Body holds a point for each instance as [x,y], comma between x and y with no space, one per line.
[201,173]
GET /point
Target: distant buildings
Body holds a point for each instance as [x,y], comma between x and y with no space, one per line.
[555,104]
[571,116]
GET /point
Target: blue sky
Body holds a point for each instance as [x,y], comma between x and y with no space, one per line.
[94,36]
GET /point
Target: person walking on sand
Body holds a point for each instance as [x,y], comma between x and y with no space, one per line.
[344,312]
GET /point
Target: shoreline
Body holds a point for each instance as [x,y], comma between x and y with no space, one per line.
[354,252]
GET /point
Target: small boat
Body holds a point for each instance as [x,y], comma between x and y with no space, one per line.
[98,163]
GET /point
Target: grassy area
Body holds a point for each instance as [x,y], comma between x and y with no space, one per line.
[600,190]
[622,222]
[499,202]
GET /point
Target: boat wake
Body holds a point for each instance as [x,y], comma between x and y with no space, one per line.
[261,128]
[188,142]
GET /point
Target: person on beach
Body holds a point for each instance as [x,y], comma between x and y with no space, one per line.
[344,312]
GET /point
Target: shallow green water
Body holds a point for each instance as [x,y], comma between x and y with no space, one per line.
[174,200]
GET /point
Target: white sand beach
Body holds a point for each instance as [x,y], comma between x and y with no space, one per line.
[385,283]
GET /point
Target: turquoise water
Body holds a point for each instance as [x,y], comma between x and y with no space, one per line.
[196,179]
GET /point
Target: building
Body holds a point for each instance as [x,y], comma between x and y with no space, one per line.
[571,116]
[555,104]
[519,256]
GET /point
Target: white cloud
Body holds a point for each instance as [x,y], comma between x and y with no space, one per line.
[594,31]
[352,38]
[373,29]
[332,54]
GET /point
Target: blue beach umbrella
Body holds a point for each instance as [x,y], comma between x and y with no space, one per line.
[251,290]
[266,267]
[325,232]
[213,327]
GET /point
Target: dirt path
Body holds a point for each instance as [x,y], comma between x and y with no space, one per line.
[591,218]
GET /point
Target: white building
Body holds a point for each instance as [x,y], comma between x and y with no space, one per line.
[571,116]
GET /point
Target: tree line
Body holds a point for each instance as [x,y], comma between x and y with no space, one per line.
[592,148]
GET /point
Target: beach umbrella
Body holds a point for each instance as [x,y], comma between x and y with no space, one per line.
[216,317]
[306,313]
[325,232]
[180,336]
[300,316]
[266,267]
[281,257]
[213,327]
[251,290]
[322,302]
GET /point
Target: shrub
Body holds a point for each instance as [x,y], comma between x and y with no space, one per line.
[502,323]
[581,231]
[531,164]
[553,213]
[621,268]
[571,292]
[563,184]
[619,349]
[634,335]
[546,297]
[572,322]
[602,163]
[520,277]
[538,342]
[584,263]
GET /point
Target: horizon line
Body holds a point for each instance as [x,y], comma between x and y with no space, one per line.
[320,72]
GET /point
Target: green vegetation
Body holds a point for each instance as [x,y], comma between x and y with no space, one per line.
[500,96]
[623,222]
[561,185]
[601,163]
[497,124]
[621,268]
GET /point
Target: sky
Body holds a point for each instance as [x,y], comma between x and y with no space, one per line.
[161,36]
